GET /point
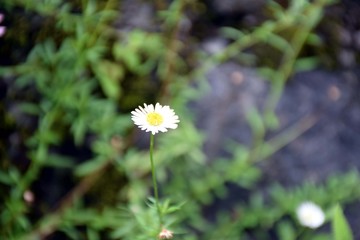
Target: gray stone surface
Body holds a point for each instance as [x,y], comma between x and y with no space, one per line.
[330,146]
[333,144]
[221,112]
[231,6]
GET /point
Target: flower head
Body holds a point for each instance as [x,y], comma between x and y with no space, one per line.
[2,28]
[154,119]
[310,215]
[166,234]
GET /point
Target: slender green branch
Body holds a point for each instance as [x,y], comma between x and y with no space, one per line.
[281,140]
[153,173]
[286,68]
[308,23]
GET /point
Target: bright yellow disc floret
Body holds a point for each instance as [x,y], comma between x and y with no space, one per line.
[154,119]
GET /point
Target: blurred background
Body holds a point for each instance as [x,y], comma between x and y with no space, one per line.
[267,92]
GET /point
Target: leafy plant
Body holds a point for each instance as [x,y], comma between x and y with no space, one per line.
[68,106]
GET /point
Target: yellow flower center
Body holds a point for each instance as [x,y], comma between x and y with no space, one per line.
[154,119]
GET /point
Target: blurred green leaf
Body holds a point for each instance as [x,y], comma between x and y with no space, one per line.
[340,227]
[92,234]
[232,33]
[271,120]
[279,42]
[5,178]
[255,121]
[314,39]
[59,161]
[30,108]
[321,236]
[286,231]
[306,64]
[109,74]
[89,167]
[79,128]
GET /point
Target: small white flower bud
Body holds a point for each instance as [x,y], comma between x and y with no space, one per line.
[166,234]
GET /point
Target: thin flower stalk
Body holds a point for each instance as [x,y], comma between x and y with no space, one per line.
[155,119]
[153,173]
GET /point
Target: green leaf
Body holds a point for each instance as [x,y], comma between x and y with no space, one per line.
[255,121]
[5,178]
[314,40]
[59,161]
[14,175]
[92,234]
[109,75]
[131,59]
[231,33]
[279,43]
[271,120]
[306,64]
[30,108]
[321,236]
[89,167]
[79,130]
[340,226]
[286,231]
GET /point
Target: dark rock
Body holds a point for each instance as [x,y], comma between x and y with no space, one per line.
[331,145]
[136,14]
[331,98]
[221,112]
[239,6]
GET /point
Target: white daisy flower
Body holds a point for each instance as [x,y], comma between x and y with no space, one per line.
[155,119]
[310,215]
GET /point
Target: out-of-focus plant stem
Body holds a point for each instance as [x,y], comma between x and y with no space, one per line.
[153,174]
[172,48]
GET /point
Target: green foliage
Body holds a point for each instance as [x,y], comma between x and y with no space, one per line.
[80,82]
[341,228]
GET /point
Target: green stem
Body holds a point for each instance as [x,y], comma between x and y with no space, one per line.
[153,173]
